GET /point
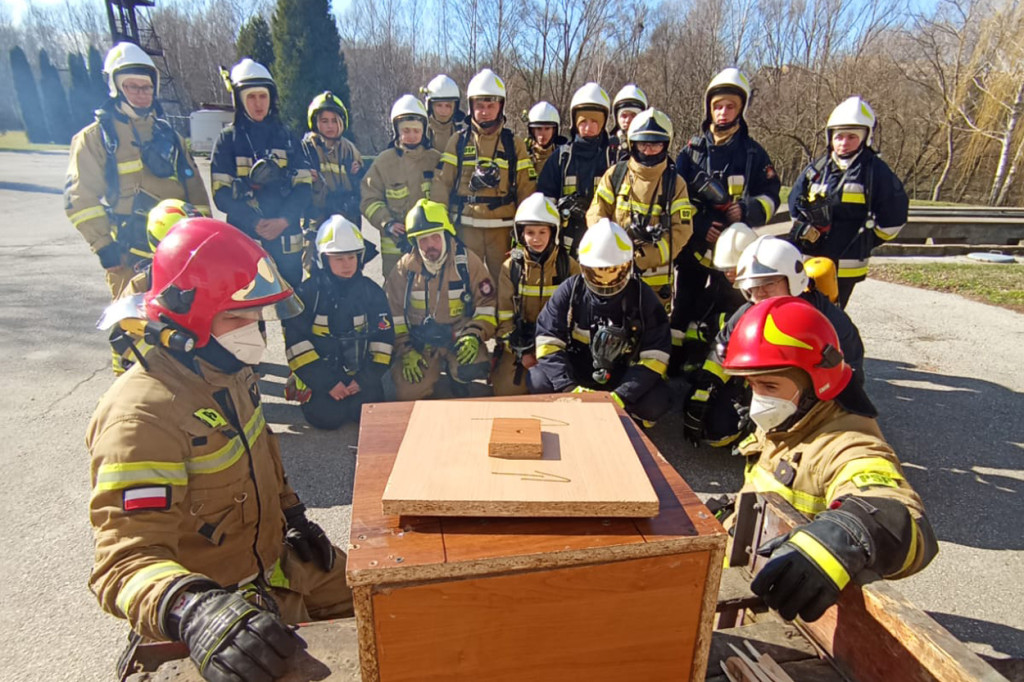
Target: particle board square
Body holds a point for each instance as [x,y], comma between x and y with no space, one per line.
[588,466]
[515,439]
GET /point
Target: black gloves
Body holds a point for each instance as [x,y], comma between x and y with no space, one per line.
[111,255]
[810,566]
[231,640]
[694,409]
[307,539]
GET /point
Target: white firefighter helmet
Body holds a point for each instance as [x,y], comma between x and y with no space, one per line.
[650,125]
[730,245]
[442,88]
[247,73]
[537,209]
[590,96]
[125,58]
[629,97]
[852,112]
[769,257]
[338,235]
[606,258]
[728,80]
[486,84]
[543,114]
[408,106]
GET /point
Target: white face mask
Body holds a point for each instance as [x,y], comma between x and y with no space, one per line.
[768,411]
[245,343]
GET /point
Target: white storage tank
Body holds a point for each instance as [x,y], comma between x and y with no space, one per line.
[205,125]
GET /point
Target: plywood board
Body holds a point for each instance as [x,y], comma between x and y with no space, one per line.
[589,466]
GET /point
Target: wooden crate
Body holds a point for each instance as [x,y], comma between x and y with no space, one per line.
[527,598]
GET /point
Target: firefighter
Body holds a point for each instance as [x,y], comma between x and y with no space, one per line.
[605,330]
[817,448]
[339,348]
[542,123]
[848,201]
[768,267]
[400,177]
[442,300]
[336,166]
[124,163]
[537,265]
[199,538]
[628,102]
[260,176]
[444,117]
[730,179]
[643,195]
[484,173]
[573,171]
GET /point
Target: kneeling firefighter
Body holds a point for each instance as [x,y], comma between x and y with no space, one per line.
[260,176]
[442,300]
[605,330]
[124,163]
[529,277]
[816,448]
[339,348]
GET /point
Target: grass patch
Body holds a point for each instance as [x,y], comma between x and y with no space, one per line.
[16,140]
[1001,285]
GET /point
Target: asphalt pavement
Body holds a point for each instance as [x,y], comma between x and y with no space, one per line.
[946,373]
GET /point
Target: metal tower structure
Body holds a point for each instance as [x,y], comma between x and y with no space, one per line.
[129,22]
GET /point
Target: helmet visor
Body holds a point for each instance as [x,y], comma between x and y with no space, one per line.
[271,297]
[607,281]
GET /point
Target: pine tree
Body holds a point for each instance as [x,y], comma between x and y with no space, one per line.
[28,97]
[99,81]
[308,55]
[80,95]
[254,41]
[55,100]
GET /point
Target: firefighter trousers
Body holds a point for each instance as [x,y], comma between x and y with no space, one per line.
[492,244]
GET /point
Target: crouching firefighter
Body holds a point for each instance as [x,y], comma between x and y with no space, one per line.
[260,176]
[442,301]
[199,538]
[124,163]
[339,348]
[605,330]
[817,448]
[530,275]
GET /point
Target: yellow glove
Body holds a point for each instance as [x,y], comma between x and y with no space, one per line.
[582,389]
[466,348]
[413,364]
[618,400]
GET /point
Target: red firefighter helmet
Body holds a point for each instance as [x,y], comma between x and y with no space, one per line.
[204,267]
[789,332]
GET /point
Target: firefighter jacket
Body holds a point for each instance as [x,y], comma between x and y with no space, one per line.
[831,453]
[396,180]
[187,482]
[743,169]
[575,167]
[438,134]
[345,332]
[335,190]
[574,314]
[488,207]
[458,300]
[850,342]
[526,285]
[643,196]
[539,155]
[108,183]
[235,153]
[866,195]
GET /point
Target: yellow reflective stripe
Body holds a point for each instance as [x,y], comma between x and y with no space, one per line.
[545,349]
[853,272]
[605,194]
[767,205]
[373,208]
[656,280]
[888,233]
[449,159]
[400,193]
[388,246]
[381,358]
[863,465]
[420,304]
[223,178]
[524,164]
[763,481]
[321,330]
[656,366]
[217,184]
[504,315]
[332,167]
[820,555]
[227,455]
[303,359]
[150,574]
[302,177]
[87,214]
[568,189]
[853,197]
[128,167]
[580,335]
[716,369]
[663,250]
[488,319]
[120,475]
[277,578]
[915,537]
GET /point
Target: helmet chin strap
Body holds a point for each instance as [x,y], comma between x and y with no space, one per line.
[132,111]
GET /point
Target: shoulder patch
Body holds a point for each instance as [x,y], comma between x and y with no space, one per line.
[869,479]
[146,497]
[769,171]
[486,288]
[210,417]
[383,324]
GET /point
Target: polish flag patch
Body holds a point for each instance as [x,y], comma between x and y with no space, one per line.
[148,497]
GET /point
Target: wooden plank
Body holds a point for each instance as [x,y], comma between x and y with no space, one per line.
[782,641]
[588,469]
[632,619]
[515,439]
